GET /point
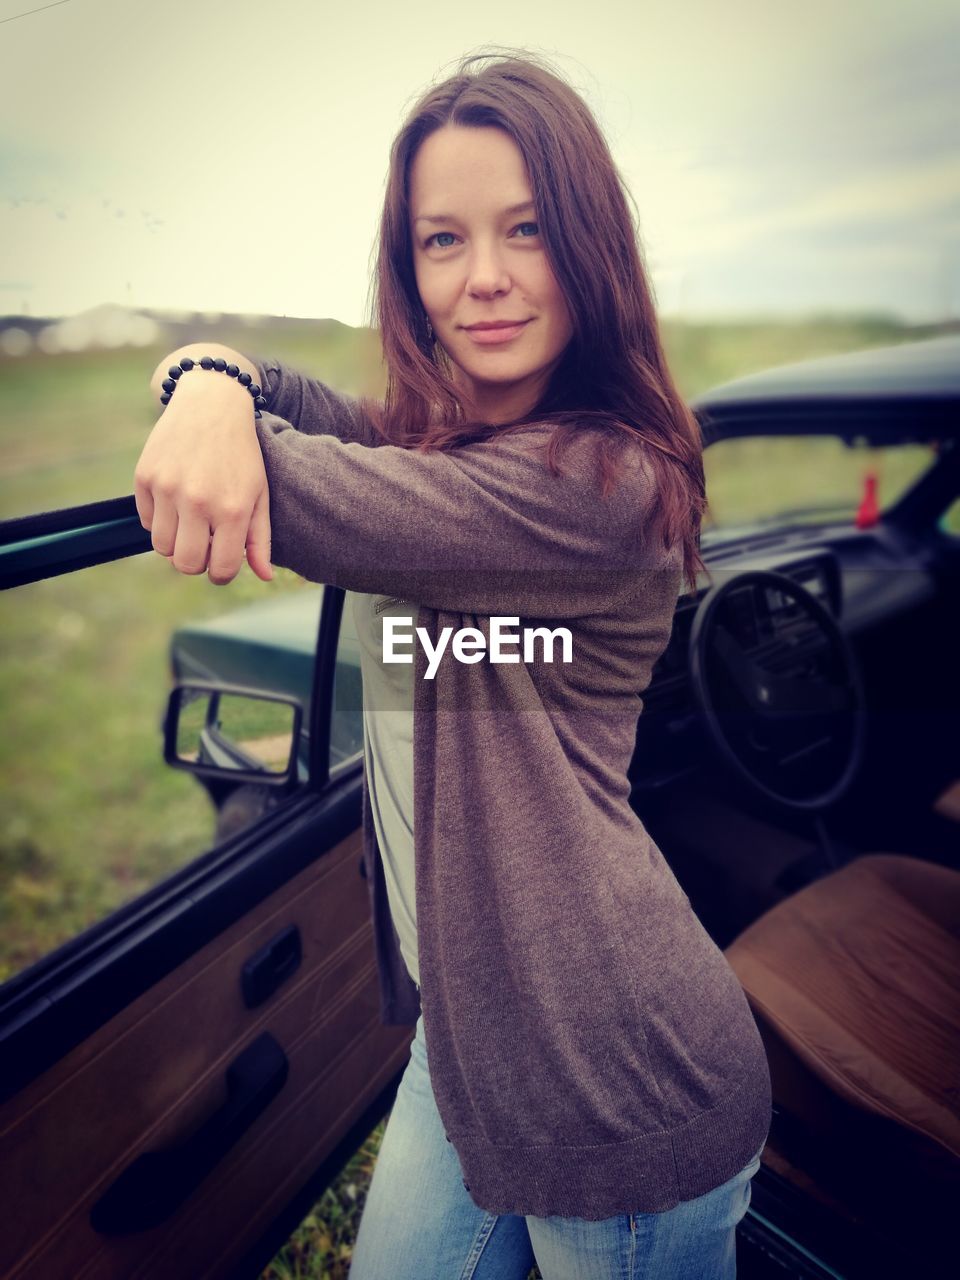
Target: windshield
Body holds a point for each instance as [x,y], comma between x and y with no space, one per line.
[766,480]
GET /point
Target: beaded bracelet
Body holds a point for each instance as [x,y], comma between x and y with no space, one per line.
[176,372]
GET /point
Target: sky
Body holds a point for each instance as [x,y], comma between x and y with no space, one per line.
[230,155]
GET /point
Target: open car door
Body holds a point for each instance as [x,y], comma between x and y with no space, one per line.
[182,1076]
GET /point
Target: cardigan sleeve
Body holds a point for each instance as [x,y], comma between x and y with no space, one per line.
[484,528]
[313,407]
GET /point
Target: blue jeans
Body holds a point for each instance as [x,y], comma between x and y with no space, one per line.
[419,1222]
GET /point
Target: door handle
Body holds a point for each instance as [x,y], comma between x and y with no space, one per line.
[271,966]
[157,1182]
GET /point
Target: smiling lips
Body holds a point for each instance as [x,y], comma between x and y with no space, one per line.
[495,331]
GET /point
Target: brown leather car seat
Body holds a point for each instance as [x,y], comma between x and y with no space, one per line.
[854,982]
[947,803]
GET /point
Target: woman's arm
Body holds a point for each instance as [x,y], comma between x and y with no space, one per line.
[199,485]
[485,528]
[306,403]
[313,407]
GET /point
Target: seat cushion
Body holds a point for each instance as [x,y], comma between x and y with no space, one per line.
[855,985]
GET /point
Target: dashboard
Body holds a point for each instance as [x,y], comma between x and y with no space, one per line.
[864,578]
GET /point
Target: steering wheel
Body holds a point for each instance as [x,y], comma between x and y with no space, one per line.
[779,689]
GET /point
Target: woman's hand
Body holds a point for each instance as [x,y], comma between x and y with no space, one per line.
[200,483]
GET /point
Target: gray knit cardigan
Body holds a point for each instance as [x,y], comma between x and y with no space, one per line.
[591,1050]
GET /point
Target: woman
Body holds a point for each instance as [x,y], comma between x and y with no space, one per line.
[597,1094]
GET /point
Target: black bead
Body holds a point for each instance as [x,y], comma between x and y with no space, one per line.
[186,364]
[165,398]
[254,389]
[220,364]
[233,370]
[206,362]
[244,379]
[168,384]
[260,402]
[175,371]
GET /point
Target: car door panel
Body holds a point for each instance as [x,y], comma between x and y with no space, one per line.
[153,1073]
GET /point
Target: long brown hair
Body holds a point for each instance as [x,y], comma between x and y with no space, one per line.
[613,374]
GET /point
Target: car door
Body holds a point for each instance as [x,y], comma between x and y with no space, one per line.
[184,1074]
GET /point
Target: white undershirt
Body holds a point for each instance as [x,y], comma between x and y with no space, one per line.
[388,758]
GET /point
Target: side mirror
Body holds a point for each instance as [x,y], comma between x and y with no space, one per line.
[229,731]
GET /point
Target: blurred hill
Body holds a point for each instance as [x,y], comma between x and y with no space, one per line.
[111,326]
[348,353]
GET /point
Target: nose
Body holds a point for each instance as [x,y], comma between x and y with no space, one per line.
[487,274]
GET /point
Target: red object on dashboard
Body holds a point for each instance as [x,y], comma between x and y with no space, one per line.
[868,513]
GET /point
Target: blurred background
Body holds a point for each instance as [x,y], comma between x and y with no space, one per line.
[187,170]
[229,157]
[175,172]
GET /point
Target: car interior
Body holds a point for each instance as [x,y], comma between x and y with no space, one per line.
[798,763]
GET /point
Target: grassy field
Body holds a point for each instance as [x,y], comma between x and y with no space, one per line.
[91,816]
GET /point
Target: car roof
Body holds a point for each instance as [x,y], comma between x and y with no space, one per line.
[910,388]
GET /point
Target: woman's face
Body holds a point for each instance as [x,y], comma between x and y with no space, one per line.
[479,259]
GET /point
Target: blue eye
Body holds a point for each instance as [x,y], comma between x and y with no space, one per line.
[436,237]
[536,229]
